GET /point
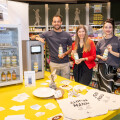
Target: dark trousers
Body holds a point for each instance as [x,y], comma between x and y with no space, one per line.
[82,73]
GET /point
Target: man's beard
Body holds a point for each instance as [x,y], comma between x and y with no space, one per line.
[57,28]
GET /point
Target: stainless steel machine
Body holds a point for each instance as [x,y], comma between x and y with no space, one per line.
[33,57]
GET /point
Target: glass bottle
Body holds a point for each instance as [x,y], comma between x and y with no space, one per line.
[13,75]
[3,77]
[105,54]
[8,76]
[60,49]
[76,57]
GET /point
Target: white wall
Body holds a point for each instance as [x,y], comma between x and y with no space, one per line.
[18,15]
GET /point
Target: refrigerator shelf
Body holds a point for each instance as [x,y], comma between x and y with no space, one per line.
[9,68]
[8,47]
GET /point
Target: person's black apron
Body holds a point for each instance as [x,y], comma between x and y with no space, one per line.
[106,76]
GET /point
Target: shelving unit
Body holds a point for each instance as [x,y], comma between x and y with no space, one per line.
[98,13]
[50,27]
[95,34]
[117,33]
[117,29]
[94,82]
[34,30]
[72,31]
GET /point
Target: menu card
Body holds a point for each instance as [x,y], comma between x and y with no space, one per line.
[29,77]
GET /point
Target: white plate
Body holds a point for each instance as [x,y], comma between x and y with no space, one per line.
[66,82]
[44,92]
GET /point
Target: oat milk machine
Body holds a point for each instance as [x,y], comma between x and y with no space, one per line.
[33,57]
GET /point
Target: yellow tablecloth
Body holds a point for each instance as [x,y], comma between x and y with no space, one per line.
[8,92]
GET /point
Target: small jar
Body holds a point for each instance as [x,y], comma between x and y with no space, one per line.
[14,61]
[35,66]
[3,61]
[7,60]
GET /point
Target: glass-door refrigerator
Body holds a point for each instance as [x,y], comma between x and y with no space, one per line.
[10,55]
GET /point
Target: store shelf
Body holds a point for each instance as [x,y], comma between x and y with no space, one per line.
[95,32]
[37,29]
[72,31]
[96,25]
[95,79]
[8,47]
[63,27]
[9,68]
[36,32]
[94,84]
[117,29]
